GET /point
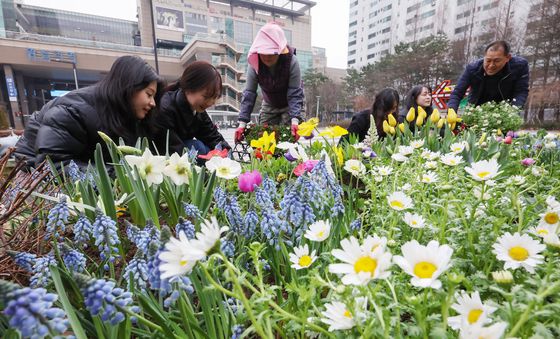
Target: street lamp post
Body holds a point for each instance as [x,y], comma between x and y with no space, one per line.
[74,70]
[318,100]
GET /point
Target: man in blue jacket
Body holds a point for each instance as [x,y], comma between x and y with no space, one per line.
[496,77]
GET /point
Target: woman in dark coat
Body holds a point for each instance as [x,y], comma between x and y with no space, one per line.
[121,106]
[182,112]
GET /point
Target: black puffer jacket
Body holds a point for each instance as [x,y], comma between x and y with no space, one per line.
[66,129]
[177,116]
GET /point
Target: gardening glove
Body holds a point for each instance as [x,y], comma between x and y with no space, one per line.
[239,132]
[294,130]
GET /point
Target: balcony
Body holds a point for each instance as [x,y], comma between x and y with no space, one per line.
[226,100]
[232,83]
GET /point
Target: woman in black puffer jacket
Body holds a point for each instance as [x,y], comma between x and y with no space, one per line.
[121,105]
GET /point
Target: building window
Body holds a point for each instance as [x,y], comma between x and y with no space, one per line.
[351,62]
[351,43]
[352,52]
[243,32]
[353,23]
[386,30]
[462,2]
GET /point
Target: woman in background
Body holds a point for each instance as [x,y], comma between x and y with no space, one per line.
[418,96]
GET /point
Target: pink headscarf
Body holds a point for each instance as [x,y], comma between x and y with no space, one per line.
[270,40]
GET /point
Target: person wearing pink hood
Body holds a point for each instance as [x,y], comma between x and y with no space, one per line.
[272,66]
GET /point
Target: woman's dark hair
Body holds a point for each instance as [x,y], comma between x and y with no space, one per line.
[199,75]
[384,102]
[411,97]
[128,75]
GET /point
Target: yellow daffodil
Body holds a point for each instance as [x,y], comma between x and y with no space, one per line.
[410,115]
[266,143]
[392,121]
[334,132]
[339,156]
[306,128]
[435,116]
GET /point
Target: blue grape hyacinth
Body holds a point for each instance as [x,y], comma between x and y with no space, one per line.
[31,312]
[102,298]
[106,237]
[57,219]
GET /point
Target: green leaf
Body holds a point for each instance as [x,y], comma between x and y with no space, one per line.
[73,318]
[104,184]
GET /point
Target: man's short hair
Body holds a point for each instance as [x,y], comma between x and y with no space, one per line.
[497,45]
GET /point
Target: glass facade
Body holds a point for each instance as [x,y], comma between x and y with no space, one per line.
[243,32]
[305,59]
[195,23]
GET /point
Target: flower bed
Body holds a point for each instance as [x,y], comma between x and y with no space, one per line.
[413,236]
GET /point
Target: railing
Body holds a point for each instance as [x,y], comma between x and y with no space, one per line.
[228,100]
[72,42]
[229,81]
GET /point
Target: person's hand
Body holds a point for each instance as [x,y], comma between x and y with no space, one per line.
[239,134]
[294,130]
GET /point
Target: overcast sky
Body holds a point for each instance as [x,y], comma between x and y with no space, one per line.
[329,20]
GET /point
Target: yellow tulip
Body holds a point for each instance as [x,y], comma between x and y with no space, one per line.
[401,127]
[386,126]
[392,130]
[451,116]
[422,112]
[410,115]
[392,121]
[440,123]
[306,128]
[419,120]
[499,132]
[435,116]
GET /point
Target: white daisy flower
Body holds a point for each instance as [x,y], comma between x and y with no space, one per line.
[301,257]
[338,316]
[429,155]
[502,277]
[318,231]
[537,171]
[494,331]
[431,164]
[517,180]
[477,192]
[424,263]
[414,220]
[470,309]
[550,136]
[550,144]
[417,143]
[406,150]
[550,217]
[451,159]
[384,170]
[355,167]
[429,178]
[517,250]
[399,157]
[406,187]
[149,166]
[362,263]
[457,147]
[209,234]
[543,230]
[178,168]
[552,240]
[224,167]
[179,257]
[399,201]
[484,170]
[552,203]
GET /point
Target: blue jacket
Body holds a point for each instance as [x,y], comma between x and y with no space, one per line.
[513,86]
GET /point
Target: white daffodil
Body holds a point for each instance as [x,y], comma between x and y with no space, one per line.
[224,167]
[429,178]
[209,234]
[457,147]
[417,143]
[451,159]
[399,201]
[298,152]
[494,331]
[414,220]
[355,167]
[179,257]
[424,263]
[362,263]
[470,309]
[284,145]
[301,257]
[383,170]
[517,250]
[550,217]
[149,166]
[399,157]
[318,231]
[178,169]
[431,164]
[483,170]
[338,316]
[406,150]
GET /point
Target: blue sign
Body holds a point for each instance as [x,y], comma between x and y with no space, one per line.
[43,55]
[12,92]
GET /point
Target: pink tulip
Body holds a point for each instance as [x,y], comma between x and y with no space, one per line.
[306,166]
[528,162]
[508,140]
[249,180]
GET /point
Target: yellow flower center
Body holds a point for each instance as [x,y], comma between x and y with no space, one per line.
[474,315]
[518,253]
[543,231]
[223,170]
[181,170]
[414,222]
[551,218]
[424,269]
[148,169]
[183,262]
[365,264]
[397,203]
[347,314]
[452,162]
[305,261]
[483,175]
[320,234]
